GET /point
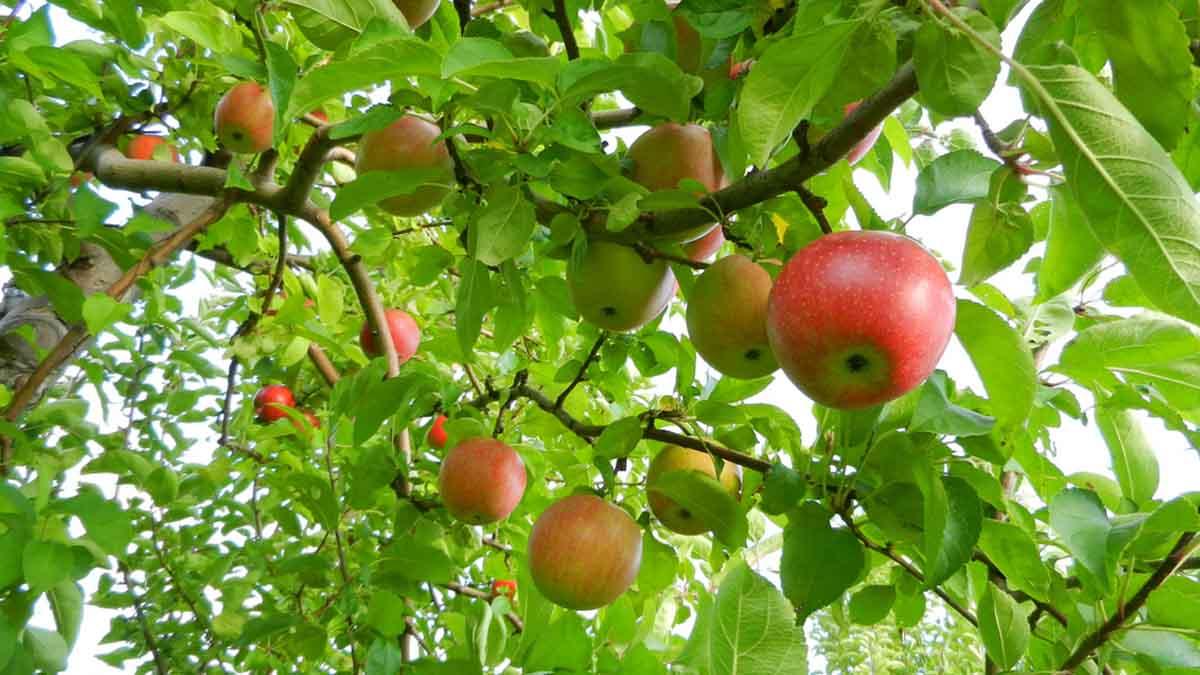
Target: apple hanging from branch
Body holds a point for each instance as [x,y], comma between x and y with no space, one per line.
[406,335]
[675,458]
[584,552]
[481,481]
[727,318]
[244,119]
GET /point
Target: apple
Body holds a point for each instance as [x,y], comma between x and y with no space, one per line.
[144,146]
[584,552]
[677,458]
[245,118]
[505,587]
[408,143]
[616,289]
[859,318]
[314,422]
[705,247]
[320,115]
[417,12]
[406,335]
[481,481]
[437,433]
[727,318]
[268,402]
[740,69]
[864,146]
[669,153]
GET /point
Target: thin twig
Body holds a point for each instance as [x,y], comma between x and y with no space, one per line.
[649,254]
[160,663]
[564,27]
[463,9]
[324,366]
[592,354]
[341,554]
[816,206]
[480,10]
[469,592]
[513,395]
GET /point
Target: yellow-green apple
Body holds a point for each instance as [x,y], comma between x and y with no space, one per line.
[406,335]
[417,12]
[676,458]
[859,318]
[481,481]
[617,289]
[669,153]
[408,143]
[145,146]
[584,552]
[437,433]
[245,118]
[727,317]
[270,401]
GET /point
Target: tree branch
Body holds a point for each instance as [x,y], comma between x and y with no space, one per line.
[518,382]
[469,592]
[816,206]
[160,663]
[595,351]
[564,27]
[1180,553]
[611,119]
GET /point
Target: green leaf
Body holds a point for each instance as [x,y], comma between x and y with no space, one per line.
[315,495]
[47,564]
[1151,62]
[9,635]
[21,171]
[386,613]
[390,60]
[416,560]
[998,235]
[872,604]
[1015,553]
[374,186]
[651,81]
[958,177]
[206,29]
[105,521]
[503,227]
[619,438]
[483,57]
[1132,457]
[1136,201]
[1161,353]
[718,19]
[1175,603]
[66,603]
[786,83]
[65,66]
[1078,517]
[1166,652]
[953,518]
[708,501]
[1071,249]
[936,414]
[100,311]
[819,563]
[330,23]
[1003,627]
[954,73]
[562,647]
[281,78]
[384,657]
[1002,358]
[476,295]
[783,488]
[748,629]
[48,649]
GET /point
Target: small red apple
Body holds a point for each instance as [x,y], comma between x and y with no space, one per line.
[408,143]
[859,318]
[437,433]
[268,400]
[669,153]
[406,335]
[707,246]
[481,481]
[584,552]
[864,146]
[505,587]
[145,146]
[245,118]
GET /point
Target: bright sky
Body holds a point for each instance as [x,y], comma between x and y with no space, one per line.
[1079,448]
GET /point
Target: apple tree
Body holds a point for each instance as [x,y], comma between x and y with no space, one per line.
[587,335]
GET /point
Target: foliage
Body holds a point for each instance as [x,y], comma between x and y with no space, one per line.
[132,459]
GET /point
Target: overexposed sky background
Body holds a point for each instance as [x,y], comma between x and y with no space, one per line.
[1078,447]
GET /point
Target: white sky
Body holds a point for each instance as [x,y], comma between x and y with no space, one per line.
[1079,448]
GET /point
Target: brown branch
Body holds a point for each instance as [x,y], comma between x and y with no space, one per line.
[480,10]
[160,663]
[463,9]
[324,366]
[564,27]
[816,206]
[1180,553]
[649,253]
[587,361]
[611,119]
[224,258]
[341,553]
[518,382]
[470,592]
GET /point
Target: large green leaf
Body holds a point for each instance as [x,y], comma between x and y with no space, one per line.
[652,81]
[748,629]
[955,73]
[708,500]
[953,516]
[1078,517]
[1003,360]
[819,563]
[330,23]
[1015,553]
[958,177]
[1136,201]
[1071,249]
[1003,626]
[376,64]
[503,227]
[1132,457]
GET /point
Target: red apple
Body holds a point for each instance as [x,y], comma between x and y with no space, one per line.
[408,143]
[481,481]
[437,433]
[740,69]
[145,146]
[268,402]
[406,335]
[859,318]
[584,552]
[417,12]
[320,115]
[505,587]
[245,118]
[707,246]
[669,153]
[864,146]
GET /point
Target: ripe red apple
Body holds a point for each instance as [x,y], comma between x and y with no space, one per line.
[481,481]
[669,153]
[615,288]
[406,335]
[864,146]
[505,587]
[320,115]
[437,433]
[584,552]
[417,12]
[408,143]
[245,118]
[144,146]
[675,458]
[268,400]
[859,318]
[707,246]
[727,318]
[313,421]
